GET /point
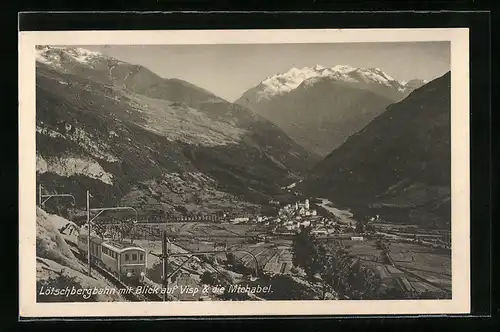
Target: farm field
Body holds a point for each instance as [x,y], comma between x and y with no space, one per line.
[365,250]
[425,268]
[418,267]
[427,263]
[273,257]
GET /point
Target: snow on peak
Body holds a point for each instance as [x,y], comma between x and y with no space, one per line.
[343,69]
[375,75]
[56,55]
[414,83]
[285,82]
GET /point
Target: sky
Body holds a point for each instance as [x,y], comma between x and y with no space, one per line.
[228,70]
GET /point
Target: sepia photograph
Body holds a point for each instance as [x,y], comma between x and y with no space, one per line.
[294,172]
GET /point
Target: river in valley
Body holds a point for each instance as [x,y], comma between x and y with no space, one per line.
[344,216]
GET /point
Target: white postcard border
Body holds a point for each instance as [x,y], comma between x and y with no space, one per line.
[460,302]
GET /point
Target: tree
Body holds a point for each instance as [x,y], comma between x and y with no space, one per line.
[333,262]
[197,198]
[362,282]
[231,258]
[100,229]
[335,266]
[209,278]
[305,252]
[125,230]
[360,227]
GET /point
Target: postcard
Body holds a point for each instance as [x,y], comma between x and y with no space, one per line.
[244,172]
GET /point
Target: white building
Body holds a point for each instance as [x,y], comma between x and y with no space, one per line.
[305,223]
[307,204]
[240,219]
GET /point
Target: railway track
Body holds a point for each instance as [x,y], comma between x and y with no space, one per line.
[132,296]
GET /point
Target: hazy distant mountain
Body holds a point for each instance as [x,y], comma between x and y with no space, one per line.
[399,164]
[127,134]
[414,84]
[321,107]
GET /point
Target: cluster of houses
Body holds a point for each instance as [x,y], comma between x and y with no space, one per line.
[297,209]
[288,212]
[294,216]
[251,219]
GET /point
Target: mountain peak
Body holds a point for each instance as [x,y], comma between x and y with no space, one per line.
[414,83]
[287,81]
[57,55]
[343,68]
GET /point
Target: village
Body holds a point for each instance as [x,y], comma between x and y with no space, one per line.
[291,218]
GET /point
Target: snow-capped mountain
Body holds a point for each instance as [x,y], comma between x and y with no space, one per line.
[57,56]
[321,107]
[414,84]
[282,83]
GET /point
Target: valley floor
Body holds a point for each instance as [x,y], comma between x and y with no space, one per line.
[418,261]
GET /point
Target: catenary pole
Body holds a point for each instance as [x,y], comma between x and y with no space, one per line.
[88,238]
[165,264]
[49,196]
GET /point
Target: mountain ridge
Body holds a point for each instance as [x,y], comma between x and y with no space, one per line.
[319,108]
[285,82]
[109,125]
[399,165]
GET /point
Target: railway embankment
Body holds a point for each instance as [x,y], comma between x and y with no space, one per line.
[59,272]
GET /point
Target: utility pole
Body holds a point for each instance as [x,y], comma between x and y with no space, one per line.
[88,238]
[100,211]
[47,197]
[164,252]
[164,257]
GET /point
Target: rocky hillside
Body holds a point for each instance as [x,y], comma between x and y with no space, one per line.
[399,165]
[57,267]
[321,107]
[121,131]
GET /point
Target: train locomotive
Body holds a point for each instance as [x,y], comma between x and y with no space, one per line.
[126,261]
